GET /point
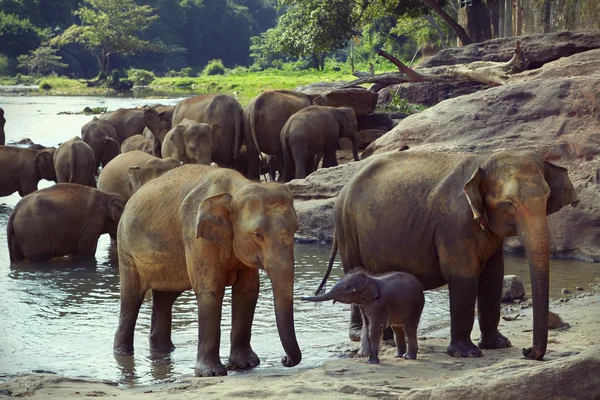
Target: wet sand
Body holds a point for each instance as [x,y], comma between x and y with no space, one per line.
[349,377]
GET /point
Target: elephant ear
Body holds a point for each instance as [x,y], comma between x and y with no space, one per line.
[115,208]
[319,100]
[44,160]
[134,178]
[214,219]
[152,121]
[178,139]
[370,291]
[473,191]
[562,191]
[111,150]
[343,116]
[216,135]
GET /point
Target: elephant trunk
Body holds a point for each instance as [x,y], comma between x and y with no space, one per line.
[533,233]
[282,279]
[354,139]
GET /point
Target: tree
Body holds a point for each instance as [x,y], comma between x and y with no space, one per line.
[18,36]
[41,61]
[110,27]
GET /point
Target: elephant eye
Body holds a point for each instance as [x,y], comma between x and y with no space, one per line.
[507,206]
[258,235]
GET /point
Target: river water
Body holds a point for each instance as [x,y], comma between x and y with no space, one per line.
[61,316]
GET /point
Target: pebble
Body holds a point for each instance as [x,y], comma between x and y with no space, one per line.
[565,291]
[578,288]
[517,301]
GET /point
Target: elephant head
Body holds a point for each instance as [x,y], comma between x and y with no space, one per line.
[115,204]
[151,169]
[348,127]
[158,121]
[353,288]
[511,194]
[196,141]
[101,136]
[258,222]
[44,161]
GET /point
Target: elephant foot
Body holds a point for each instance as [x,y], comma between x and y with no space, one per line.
[373,360]
[242,359]
[355,333]
[121,348]
[210,369]
[162,348]
[495,341]
[409,356]
[464,348]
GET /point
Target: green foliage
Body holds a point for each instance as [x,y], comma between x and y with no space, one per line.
[45,86]
[401,105]
[110,27]
[140,77]
[18,36]
[4,65]
[214,67]
[41,61]
[24,79]
[184,73]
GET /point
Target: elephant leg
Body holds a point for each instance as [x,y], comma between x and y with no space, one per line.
[310,165]
[489,297]
[356,323]
[365,344]
[413,344]
[210,303]
[400,342]
[329,159]
[244,297]
[132,297]
[463,291]
[28,186]
[87,245]
[375,332]
[300,155]
[160,325]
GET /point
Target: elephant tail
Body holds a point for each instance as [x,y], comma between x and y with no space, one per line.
[239,135]
[334,248]
[14,252]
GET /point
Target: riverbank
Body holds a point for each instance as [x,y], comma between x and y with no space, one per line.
[573,351]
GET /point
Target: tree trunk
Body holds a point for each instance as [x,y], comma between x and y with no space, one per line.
[493,7]
[479,26]
[460,32]
[437,28]
[508,17]
[547,9]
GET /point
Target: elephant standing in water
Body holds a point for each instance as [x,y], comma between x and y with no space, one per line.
[264,117]
[138,142]
[158,123]
[103,138]
[315,130]
[64,219]
[129,171]
[222,110]
[22,169]
[443,218]
[127,121]
[205,228]
[2,123]
[74,163]
[192,142]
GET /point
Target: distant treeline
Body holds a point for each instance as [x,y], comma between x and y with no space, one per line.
[194,32]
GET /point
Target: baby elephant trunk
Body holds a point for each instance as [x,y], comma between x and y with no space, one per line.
[331,295]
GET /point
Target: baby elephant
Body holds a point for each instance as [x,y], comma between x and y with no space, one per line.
[395,299]
[64,219]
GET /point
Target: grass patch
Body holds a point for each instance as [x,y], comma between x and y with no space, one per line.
[7,80]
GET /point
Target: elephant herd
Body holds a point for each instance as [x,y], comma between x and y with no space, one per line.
[181,222]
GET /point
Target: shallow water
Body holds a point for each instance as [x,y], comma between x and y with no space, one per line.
[61,316]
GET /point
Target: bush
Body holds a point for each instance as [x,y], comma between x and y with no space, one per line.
[184,73]
[4,65]
[45,86]
[140,77]
[21,79]
[214,67]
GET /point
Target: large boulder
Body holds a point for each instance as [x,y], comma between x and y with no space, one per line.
[427,93]
[362,100]
[315,220]
[539,49]
[512,288]
[574,377]
[324,183]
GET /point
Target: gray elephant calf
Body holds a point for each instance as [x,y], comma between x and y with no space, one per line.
[395,299]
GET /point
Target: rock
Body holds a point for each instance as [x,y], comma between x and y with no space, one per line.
[324,183]
[427,93]
[555,322]
[586,63]
[556,117]
[368,136]
[512,288]
[539,49]
[578,288]
[315,220]
[381,121]
[362,100]
[571,377]
[565,291]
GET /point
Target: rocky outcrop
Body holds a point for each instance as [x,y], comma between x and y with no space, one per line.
[512,288]
[573,377]
[362,100]
[427,93]
[539,49]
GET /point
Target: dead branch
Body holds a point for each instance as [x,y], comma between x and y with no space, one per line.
[401,67]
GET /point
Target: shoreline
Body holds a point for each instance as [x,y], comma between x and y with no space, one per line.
[348,377]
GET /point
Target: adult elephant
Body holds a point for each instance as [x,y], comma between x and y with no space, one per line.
[265,116]
[158,123]
[103,138]
[192,142]
[222,110]
[64,219]
[22,169]
[443,218]
[129,171]
[205,228]
[138,142]
[127,121]
[314,130]
[74,162]
[2,123]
